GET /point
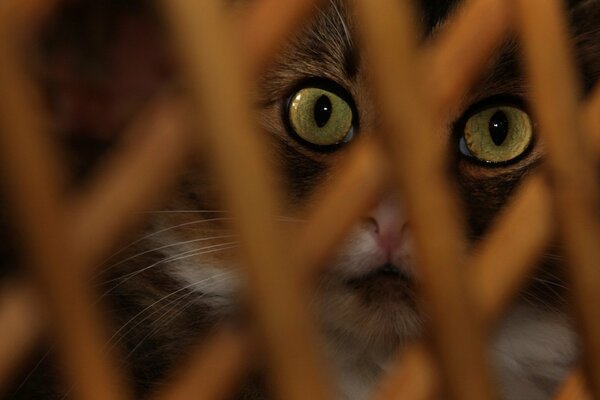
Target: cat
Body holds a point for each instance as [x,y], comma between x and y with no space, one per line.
[180,278]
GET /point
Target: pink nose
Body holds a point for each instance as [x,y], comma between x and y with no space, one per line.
[389,226]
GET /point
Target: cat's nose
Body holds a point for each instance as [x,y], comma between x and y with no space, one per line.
[390,228]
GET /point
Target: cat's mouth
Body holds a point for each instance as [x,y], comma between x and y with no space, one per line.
[388,273]
[389,285]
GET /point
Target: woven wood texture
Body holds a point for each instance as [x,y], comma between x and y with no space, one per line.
[465,293]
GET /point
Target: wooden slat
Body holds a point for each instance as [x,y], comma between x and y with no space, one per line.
[23,17]
[570,168]
[137,177]
[420,165]
[335,209]
[35,181]
[20,324]
[463,48]
[267,25]
[213,373]
[414,376]
[574,388]
[213,72]
[525,228]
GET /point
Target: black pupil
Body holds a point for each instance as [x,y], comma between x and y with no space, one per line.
[499,127]
[323,109]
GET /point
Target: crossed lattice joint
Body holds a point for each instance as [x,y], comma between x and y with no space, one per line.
[463,293]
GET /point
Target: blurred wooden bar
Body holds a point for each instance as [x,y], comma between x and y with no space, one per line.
[20,325]
[135,178]
[570,166]
[22,18]
[216,77]
[268,24]
[213,373]
[331,216]
[413,376]
[461,50]
[389,41]
[526,227]
[574,388]
[35,182]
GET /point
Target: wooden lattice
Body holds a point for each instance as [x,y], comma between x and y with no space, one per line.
[465,294]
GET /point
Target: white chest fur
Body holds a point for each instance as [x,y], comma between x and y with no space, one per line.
[532,353]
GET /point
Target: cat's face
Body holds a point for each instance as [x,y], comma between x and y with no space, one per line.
[314,103]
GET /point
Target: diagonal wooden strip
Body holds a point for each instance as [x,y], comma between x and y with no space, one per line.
[421,170]
[22,17]
[214,371]
[570,165]
[135,178]
[213,73]
[413,376]
[526,227]
[20,324]
[456,54]
[574,388]
[268,24]
[336,208]
[18,98]
[35,180]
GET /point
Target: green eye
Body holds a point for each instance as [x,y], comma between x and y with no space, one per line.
[321,117]
[497,134]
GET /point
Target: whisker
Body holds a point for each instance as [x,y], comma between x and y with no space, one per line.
[219,276]
[180,256]
[154,233]
[52,347]
[165,318]
[172,313]
[162,248]
[284,218]
[112,338]
[530,296]
[186,211]
[552,257]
